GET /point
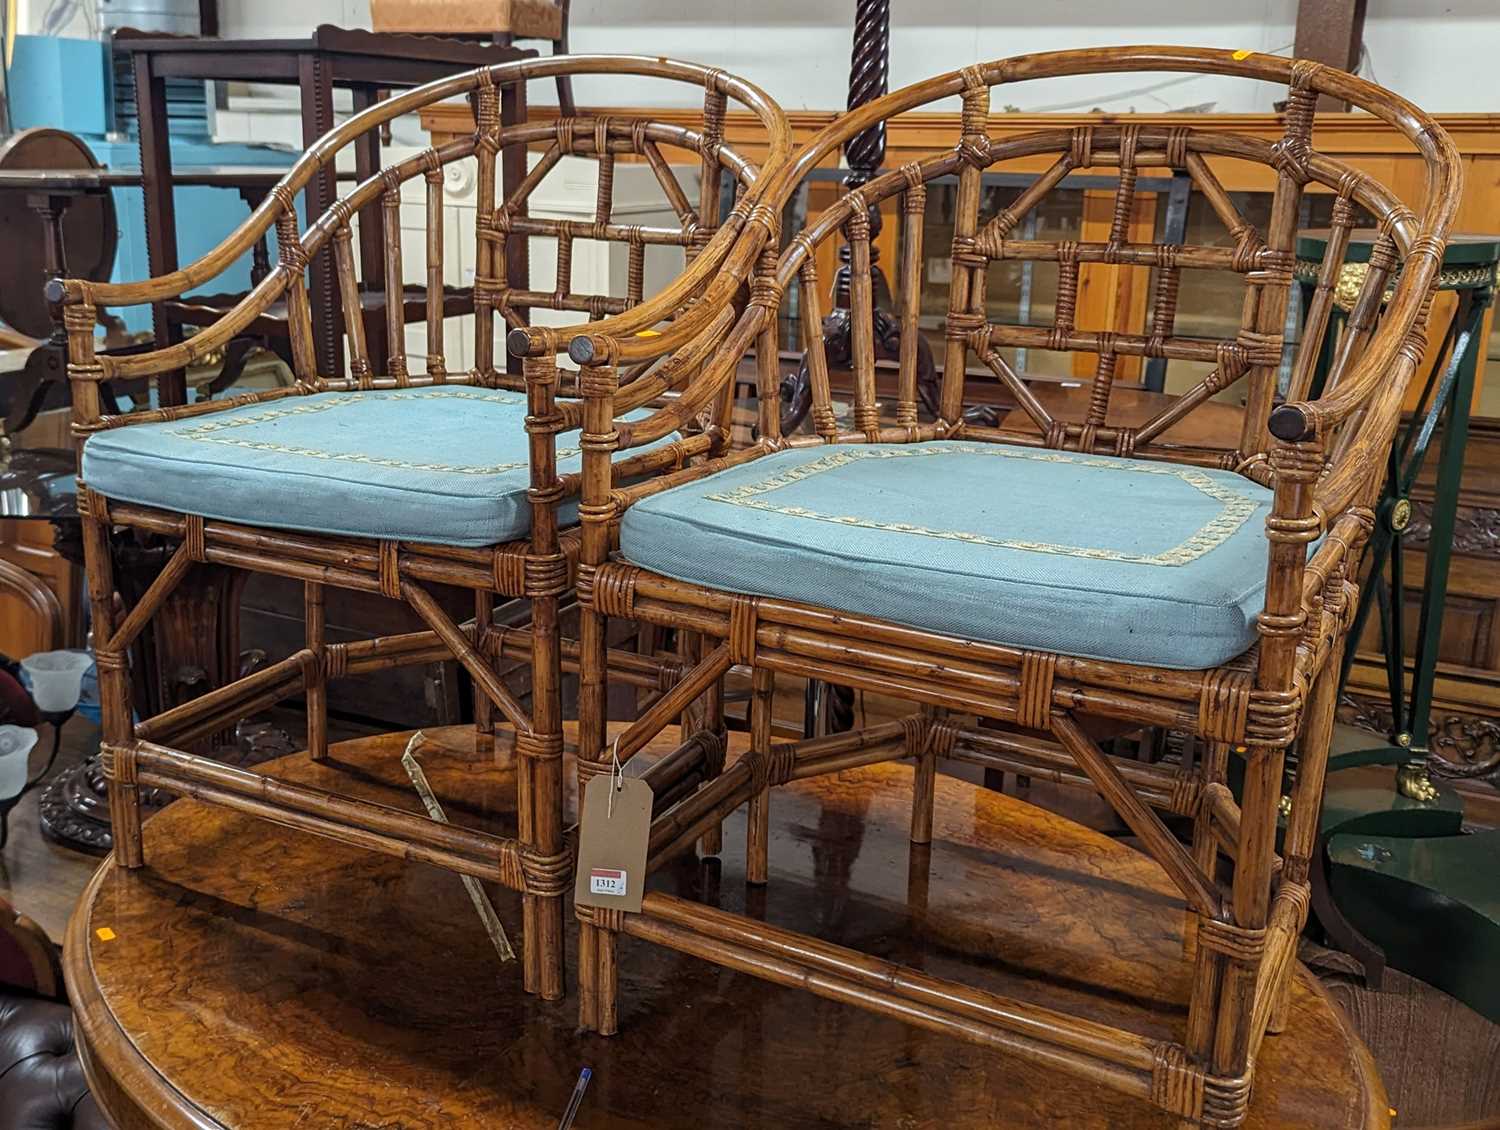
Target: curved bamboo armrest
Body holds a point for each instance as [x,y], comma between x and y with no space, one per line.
[621,343]
[1297,421]
[1369,399]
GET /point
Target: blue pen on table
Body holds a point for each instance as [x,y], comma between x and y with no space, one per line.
[577,1099]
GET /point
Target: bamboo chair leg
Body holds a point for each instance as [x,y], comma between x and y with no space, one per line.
[526,832]
[608,986]
[593,705]
[1208,965]
[1307,801]
[542,765]
[924,787]
[707,713]
[1203,1000]
[315,681]
[1211,770]
[484,711]
[712,842]
[593,758]
[588,976]
[1234,1037]
[125,818]
[114,697]
[758,826]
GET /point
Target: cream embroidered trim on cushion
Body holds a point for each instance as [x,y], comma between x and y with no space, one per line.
[1237,506]
[213,430]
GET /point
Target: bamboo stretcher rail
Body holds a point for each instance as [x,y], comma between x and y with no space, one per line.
[1091,700]
[361,657]
[338,829]
[676,830]
[206,729]
[1066,1033]
[1025,767]
[1179,685]
[678,764]
[680,788]
[464,651]
[779,970]
[683,824]
[175,771]
[672,703]
[1161,845]
[1043,752]
[151,600]
[283,676]
[982,699]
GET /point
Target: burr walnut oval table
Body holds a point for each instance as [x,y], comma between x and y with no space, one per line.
[251,976]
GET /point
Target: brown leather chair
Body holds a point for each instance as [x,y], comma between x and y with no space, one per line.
[41,1079]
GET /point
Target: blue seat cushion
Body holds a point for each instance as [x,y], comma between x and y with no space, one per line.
[446,464]
[1124,559]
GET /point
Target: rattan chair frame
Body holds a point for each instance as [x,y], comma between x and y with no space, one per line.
[1322,457]
[154,752]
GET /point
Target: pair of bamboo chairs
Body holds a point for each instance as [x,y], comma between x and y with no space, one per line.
[1120,574]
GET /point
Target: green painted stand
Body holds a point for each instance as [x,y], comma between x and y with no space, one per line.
[1418,859]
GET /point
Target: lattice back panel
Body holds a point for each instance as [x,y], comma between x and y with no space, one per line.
[1261,255]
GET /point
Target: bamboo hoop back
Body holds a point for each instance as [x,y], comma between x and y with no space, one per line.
[600,137]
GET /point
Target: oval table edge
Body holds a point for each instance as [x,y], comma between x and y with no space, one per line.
[129,1090]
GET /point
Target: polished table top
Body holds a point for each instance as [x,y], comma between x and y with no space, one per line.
[255,977]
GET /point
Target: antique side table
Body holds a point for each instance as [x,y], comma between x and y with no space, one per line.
[249,976]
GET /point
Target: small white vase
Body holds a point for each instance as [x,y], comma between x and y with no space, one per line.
[56,678]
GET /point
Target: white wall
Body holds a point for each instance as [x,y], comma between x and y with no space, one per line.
[288,17]
[798,50]
[1439,53]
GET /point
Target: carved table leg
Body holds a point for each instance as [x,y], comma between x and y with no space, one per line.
[192,646]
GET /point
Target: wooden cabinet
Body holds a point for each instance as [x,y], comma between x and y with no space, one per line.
[39,590]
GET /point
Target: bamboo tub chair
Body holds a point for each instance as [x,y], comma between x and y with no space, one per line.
[1039,630]
[444,511]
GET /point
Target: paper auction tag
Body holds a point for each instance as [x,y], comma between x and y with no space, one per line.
[612,839]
